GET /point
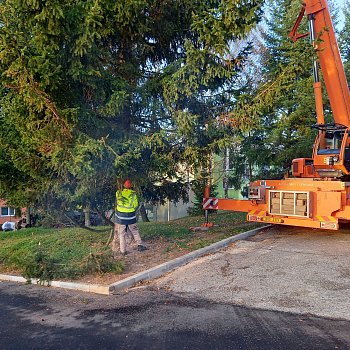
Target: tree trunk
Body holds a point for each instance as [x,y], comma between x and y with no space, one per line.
[143,213]
[87,216]
[28,217]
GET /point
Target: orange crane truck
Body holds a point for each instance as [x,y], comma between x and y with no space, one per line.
[318,194]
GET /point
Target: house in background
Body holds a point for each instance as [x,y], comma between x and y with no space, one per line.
[222,173]
[172,210]
[8,213]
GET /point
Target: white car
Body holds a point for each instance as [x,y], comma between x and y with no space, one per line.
[8,226]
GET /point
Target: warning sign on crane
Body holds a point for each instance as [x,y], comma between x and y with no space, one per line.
[210,203]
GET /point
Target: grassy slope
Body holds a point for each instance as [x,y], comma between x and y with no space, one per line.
[73,252]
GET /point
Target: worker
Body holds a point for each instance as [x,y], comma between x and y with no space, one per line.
[125,218]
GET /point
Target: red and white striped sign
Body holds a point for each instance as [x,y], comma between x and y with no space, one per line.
[210,203]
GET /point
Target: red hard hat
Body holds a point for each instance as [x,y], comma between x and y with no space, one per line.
[127,184]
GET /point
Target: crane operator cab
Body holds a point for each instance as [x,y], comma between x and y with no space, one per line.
[332,151]
[331,154]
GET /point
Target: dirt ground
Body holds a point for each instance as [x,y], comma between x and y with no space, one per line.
[159,251]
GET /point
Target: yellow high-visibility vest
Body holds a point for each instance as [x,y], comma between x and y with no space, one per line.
[126,201]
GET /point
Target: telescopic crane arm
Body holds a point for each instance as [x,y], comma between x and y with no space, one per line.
[324,41]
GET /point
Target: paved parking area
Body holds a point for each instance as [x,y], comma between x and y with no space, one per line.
[304,271]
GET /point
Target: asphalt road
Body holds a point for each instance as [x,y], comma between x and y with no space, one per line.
[284,289]
[34,317]
[291,269]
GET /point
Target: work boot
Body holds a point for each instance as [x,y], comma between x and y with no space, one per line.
[141,248]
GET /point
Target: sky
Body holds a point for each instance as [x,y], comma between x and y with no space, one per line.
[339,2]
[340,5]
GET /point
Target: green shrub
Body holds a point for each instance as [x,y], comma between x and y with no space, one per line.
[40,266]
[102,262]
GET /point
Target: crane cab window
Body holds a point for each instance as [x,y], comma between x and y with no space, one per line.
[330,142]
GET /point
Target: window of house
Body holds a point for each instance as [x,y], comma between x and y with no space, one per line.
[7,211]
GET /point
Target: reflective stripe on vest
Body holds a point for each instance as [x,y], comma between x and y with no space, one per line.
[125,217]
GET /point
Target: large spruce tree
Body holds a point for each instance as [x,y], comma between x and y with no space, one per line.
[94,91]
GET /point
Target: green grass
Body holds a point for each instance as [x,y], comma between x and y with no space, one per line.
[57,253]
[73,252]
[179,237]
[180,228]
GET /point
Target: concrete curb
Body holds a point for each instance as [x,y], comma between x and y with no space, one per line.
[159,270]
[146,275]
[91,288]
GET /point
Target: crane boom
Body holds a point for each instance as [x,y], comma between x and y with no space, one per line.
[318,195]
[329,57]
